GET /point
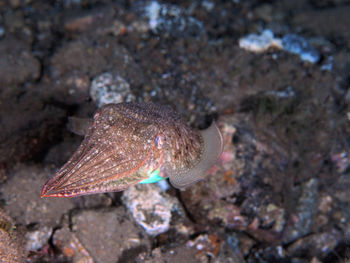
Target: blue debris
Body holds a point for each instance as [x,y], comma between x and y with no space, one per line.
[2,31]
[298,45]
[328,65]
[163,184]
[170,19]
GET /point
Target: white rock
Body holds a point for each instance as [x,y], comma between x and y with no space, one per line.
[260,43]
[38,238]
[107,88]
[150,207]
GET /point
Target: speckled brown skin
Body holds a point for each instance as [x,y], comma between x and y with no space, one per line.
[123,144]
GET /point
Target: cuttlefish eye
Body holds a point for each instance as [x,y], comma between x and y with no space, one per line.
[160,140]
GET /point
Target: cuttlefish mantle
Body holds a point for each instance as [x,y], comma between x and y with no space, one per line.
[130,143]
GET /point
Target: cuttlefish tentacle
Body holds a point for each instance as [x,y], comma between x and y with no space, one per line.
[130,143]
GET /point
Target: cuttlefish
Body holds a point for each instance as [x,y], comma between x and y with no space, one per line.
[130,143]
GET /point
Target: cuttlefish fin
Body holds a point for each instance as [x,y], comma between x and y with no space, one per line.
[79,126]
[212,149]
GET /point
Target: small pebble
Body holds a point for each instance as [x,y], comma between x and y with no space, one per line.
[298,45]
[38,238]
[291,43]
[150,207]
[107,88]
[260,43]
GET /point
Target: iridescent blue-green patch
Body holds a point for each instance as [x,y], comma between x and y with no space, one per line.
[154,177]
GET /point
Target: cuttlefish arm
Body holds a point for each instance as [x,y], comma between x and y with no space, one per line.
[212,147]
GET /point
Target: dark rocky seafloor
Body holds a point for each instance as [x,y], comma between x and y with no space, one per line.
[280,192]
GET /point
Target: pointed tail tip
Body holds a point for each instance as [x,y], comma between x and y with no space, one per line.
[45,191]
[48,189]
[53,192]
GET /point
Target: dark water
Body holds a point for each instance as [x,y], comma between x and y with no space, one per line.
[280,190]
